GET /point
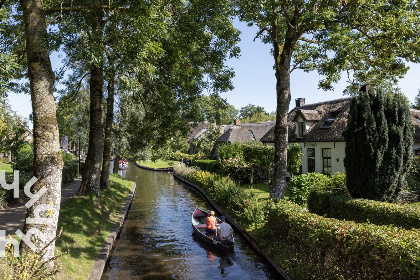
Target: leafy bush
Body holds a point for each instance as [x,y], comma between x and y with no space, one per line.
[300,186]
[242,206]
[67,156]
[25,159]
[70,171]
[364,210]
[178,156]
[206,164]
[229,150]
[333,249]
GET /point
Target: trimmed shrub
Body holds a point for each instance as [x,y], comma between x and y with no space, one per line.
[333,249]
[299,187]
[364,210]
[67,156]
[70,171]
[206,164]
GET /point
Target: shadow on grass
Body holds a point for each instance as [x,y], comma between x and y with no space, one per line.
[86,221]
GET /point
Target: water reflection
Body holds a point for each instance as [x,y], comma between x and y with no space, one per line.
[156,241]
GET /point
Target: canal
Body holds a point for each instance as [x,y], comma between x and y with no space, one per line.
[156,241]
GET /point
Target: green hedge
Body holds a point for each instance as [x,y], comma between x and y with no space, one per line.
[334,249]
[70,171]
[206,164]
[243,206]
[363,210]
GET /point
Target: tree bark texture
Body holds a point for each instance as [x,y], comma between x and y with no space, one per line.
[108,131]
[47,156]
[92,169]
[116,162]
[282,57]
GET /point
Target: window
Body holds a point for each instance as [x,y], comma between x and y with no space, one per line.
[328,122]
[251,134]
[311,160]
[326,161]
[416,153]
[300,129]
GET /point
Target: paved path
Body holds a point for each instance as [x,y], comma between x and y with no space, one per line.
[13,218]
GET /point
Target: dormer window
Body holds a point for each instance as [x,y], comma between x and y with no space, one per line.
[328,122]
[251,134]
[300,125]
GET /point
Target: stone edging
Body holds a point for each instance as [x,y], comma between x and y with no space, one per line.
[238,229]
[103,255]
[155,169]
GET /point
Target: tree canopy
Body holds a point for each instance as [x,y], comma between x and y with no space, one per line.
[368,40]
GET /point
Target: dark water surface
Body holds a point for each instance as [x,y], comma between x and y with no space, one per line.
[156,241]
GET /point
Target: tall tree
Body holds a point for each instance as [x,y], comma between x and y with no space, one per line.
[250,110]
[379,139]
[215,109]
[47,156]
[368,39]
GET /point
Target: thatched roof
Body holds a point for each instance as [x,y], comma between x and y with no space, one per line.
[318,113]
[196,129]
[245,132]
[321,130]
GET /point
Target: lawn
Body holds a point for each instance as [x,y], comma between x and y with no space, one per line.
[86,222]
[6,167]
[261,190]
[158,163]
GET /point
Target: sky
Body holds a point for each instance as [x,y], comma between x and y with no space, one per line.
[255,82]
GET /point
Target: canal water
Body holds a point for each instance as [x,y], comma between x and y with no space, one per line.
[156,241]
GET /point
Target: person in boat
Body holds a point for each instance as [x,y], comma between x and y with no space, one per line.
[225,230]
[211,223]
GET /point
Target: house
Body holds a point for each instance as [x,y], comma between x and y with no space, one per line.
[319,127]
[242,133]
[199,130]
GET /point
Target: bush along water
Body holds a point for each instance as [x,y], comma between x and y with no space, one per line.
[243,206]
[334,249]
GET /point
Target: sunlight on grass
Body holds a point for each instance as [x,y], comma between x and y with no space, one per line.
[86,222]
[6,167]
[157,164]
[261,190]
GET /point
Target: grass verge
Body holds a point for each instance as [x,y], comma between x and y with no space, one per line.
[86,221]
[157,164]
[7,167]
[261,190]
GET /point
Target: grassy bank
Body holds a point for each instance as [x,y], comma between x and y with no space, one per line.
[86,222]
[7,167]
[157,164]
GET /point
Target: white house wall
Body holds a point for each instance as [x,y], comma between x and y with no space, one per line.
[337,155]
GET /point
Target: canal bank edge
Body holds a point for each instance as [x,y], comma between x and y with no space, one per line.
[103,255]
[167,169]
[238,228]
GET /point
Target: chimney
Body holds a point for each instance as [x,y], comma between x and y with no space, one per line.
[237,122]
[300,102]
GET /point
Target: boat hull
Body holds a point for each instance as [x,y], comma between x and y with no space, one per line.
[198,220]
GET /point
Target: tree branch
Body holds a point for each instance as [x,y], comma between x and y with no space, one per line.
[309,40]
[82,9]
[75,94]
[261,32]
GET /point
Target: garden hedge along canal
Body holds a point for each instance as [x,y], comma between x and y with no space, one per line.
[156,241]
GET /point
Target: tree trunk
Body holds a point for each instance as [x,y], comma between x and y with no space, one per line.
[116,162]
[108,128]
[92,169]
[47,157]
[282,59]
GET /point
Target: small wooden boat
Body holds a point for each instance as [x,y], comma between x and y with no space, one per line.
[198,219]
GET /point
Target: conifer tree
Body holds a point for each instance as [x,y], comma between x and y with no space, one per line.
[379,137]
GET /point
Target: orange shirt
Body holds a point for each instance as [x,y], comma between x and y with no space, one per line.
[211,222]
